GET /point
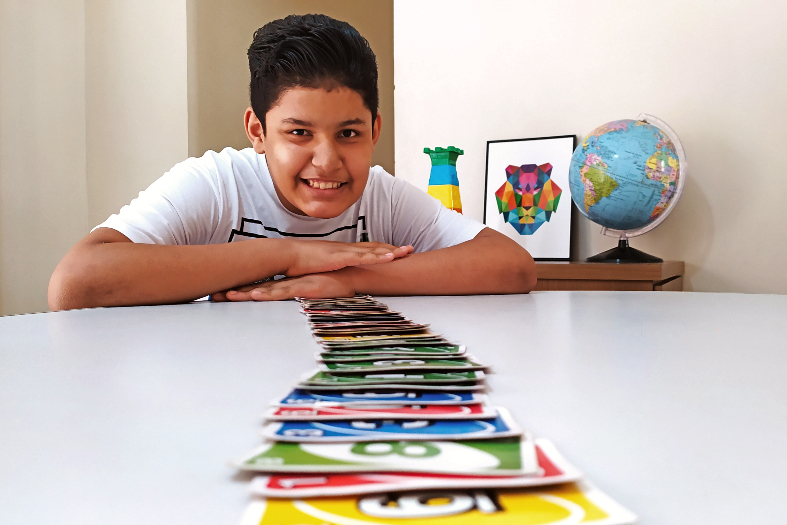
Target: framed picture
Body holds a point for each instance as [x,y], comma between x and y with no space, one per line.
[526,195]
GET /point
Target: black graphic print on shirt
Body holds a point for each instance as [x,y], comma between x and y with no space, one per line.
[252,228]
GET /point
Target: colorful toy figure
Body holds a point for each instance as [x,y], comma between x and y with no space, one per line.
[443,181]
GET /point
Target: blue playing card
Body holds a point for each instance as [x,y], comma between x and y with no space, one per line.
[383,430]
[309,397]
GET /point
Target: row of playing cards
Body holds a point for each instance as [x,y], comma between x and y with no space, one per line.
[395,423]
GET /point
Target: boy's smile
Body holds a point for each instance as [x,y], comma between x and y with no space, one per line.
[318,147]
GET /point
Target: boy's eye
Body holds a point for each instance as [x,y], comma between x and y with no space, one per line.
[298,132]
[348,133]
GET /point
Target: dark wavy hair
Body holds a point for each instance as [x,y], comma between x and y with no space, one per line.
[309,51]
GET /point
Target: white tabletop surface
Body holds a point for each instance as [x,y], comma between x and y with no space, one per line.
[675,404]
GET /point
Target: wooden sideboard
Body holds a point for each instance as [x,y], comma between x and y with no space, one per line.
[664,276]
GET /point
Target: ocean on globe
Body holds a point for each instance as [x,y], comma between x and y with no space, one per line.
[626,174]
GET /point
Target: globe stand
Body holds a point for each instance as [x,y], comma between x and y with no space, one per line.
[624,253]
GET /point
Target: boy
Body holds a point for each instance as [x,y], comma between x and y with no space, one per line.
[303,200]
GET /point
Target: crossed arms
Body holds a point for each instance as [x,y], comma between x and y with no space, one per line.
[106,269]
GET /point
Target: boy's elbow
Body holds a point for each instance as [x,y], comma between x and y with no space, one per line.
[526,276]
[67,288]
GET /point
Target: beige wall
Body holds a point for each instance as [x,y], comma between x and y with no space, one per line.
[219,35]
[471,71]
[43,191]
[136,90]
[93,108]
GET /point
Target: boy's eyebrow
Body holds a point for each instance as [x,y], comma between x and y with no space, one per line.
[352,122]
[296,122]
[306,123]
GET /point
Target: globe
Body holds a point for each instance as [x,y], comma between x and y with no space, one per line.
[626,176]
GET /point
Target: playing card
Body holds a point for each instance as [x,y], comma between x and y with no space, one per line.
[323,412]
[478,386]
[409,364]
[570,503]
[393,352]
[375,430]
[353,317]
[370,313]
[317,303]
[388,337]
[553,469]
[487,457]
[357,298]
[300,397]
[372,379]
[383,343]
[364,324]
[369,330]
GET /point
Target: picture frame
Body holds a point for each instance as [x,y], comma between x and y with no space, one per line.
[542,231]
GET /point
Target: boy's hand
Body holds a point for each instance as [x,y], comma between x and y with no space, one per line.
[313,286]
[308,257]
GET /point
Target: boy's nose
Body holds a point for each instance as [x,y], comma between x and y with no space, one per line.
[326,157]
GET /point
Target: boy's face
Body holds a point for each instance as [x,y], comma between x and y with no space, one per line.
[319,146]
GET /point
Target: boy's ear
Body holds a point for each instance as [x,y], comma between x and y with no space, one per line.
[254,131]
[378,124]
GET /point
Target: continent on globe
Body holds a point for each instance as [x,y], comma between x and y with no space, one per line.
[597,183]
[663,166]
[528,197]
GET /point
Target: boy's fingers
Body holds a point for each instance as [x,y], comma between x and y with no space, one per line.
[274,292]
[380,255]
[357,258]
[235,295]
[219,297]
[401,251]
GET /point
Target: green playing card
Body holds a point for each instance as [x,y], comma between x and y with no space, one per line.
[493,457]
[365,354]
[400,364]
[326,378]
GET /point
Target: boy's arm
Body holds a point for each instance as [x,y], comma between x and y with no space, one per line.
[490,263]
[107,269]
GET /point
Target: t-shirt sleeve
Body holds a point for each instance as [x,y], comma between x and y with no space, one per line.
[184,206]
[422,221]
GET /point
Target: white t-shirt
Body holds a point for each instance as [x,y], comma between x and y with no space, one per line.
[229,197]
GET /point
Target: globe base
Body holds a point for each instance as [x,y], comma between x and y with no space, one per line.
[623,254]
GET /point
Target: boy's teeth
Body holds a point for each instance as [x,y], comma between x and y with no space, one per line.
[324,185]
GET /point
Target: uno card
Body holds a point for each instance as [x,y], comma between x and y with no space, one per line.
[375,430]
[299,397]
[409,364]
[436,340]
[376,345]
[321,318]
[484,457]
[363,324]
[372,314]
[478,386]
[323,412]
[570,503]
[377,307]
[366,347]
[373,379]
[385,352]
[364,338]
[359,299]
[370,330]
[553,469]
[389,338]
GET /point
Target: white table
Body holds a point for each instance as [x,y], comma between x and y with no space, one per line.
[674,404]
